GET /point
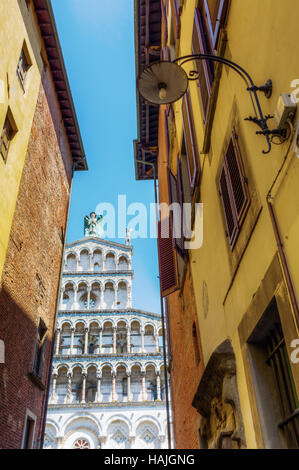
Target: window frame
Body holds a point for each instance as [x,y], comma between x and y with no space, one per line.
[40,350]
[228,200]
[28,437]
[8,123]
[21,71]
[191,146]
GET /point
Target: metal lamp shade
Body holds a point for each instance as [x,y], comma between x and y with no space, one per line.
[168,75]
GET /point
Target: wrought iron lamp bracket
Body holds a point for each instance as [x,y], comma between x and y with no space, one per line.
[260,119]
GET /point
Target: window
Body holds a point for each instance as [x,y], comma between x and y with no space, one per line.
[176,199]
[274,386]
[7,135]
[233,190]
[190,141]
[81,444]
[169,279]
[29,431]
[205,69]
[208,19]
[40,350]
[176,24]
[23,66]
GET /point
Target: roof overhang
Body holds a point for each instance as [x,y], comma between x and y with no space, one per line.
[147,50]
[47,25]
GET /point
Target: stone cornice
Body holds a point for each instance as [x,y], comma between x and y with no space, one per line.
[61,358]
[95,313]
[97,274]
[132,404]
[101,241]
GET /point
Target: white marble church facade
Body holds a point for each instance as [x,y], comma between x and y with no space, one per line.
[107,387]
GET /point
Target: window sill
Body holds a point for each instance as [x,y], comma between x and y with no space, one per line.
[36,380]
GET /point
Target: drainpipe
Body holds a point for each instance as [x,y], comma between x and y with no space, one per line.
[281,252]
[56,314]
[162,313]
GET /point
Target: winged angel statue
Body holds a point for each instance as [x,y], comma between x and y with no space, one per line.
[92,225]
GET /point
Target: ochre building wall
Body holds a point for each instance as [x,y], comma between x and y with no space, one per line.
[32,267]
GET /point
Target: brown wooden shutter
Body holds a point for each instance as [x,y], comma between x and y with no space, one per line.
[236,175]
[166,133]
[175,196]
[190,141]
[233,190]
[169,281]
[164,24]
[175,18]
[42,359]
[231,222]
[200,45]
[214,12]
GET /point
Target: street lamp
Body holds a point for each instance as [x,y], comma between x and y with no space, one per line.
[165,82]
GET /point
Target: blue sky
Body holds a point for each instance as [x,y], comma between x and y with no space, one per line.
[97,39]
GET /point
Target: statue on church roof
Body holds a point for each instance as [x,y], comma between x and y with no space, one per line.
[92,225]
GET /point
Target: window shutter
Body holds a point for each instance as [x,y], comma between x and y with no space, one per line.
[233,190]
[175,10]
[164,24]
[167,259]
[205,69]
[175,196]
[185,180]
[214,12]
[190,141]
[42,359]
[229,214]
[236,176]
[166,133]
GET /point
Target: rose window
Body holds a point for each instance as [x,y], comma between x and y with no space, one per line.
[81,444]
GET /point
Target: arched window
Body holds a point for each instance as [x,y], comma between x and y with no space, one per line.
[81,444]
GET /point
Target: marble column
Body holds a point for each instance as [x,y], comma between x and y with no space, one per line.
[128,339]
[158,386]
[72,340]
[88,298]
[115,297]
[100,340]
[143,391]
[84,375]
[102,301]
[75,303]
[54,381]
[114,340]
[129,386]
[142,339]
[86,341]
[98,396]
[157,343]
[58,332]
[90,262]
[61,299]
[69,387]
[113,373]
[129,297]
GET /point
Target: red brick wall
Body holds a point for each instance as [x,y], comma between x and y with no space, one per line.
[29,284]
[185,371]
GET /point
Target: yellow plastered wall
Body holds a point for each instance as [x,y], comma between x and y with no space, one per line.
[17,24]
[262,37]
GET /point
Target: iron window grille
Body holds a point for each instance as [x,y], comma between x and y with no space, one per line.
[279,362]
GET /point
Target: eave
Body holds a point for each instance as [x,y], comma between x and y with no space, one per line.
[47,25]
[147,50]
